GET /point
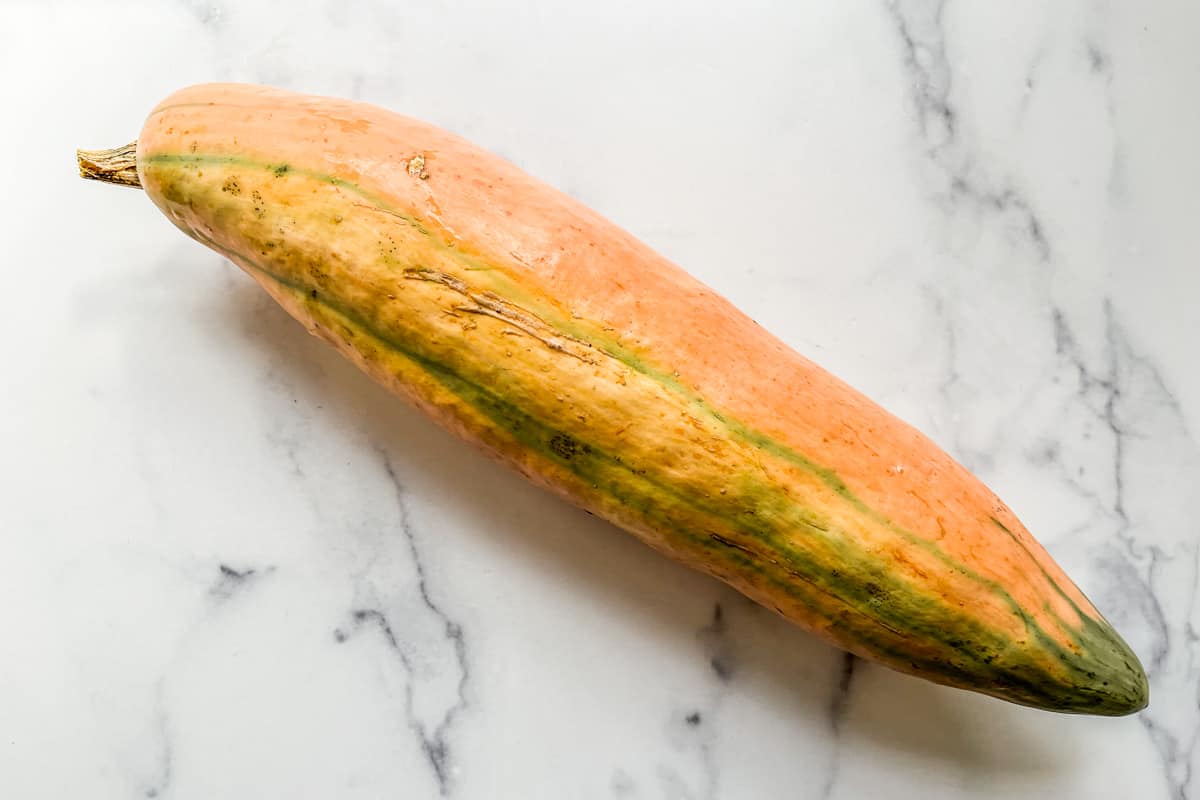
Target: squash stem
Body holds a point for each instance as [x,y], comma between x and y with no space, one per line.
[118,165]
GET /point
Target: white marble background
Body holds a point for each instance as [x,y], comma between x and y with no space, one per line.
[231,567]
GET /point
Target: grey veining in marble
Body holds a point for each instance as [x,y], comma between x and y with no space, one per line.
[232,567]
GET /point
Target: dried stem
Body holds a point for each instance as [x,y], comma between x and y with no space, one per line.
[118,165]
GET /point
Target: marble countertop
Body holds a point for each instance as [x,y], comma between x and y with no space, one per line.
[230,566]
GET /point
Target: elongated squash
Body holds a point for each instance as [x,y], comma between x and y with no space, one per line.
[531,326]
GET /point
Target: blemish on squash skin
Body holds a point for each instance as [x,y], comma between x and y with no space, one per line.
[416,167]
[567,447]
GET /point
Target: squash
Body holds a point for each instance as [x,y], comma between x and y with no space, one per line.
[559,344]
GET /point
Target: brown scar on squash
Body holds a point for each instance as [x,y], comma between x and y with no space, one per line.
[519,319]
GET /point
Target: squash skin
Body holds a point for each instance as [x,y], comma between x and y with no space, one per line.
[529,325]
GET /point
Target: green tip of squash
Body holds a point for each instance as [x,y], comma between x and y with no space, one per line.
[1120,685]
[1101,676]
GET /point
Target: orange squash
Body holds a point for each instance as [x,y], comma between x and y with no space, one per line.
[561,345]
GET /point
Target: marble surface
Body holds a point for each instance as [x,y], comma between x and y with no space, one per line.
[232,567]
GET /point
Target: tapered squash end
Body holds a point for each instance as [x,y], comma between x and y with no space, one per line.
[118,165]
[1117,683]
[1098,674]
